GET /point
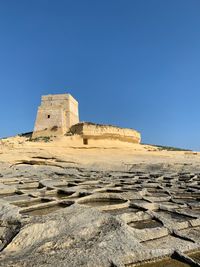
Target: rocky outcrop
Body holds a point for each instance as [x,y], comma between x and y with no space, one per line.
[10,223]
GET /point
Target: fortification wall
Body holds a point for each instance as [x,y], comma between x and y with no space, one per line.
[97,131]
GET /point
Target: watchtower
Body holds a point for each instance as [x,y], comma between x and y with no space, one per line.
[56,114]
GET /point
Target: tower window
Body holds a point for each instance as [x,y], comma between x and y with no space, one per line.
[48,116]
[85,141]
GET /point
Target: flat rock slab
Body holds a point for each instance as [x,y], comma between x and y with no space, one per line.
[52,214]
[75,236]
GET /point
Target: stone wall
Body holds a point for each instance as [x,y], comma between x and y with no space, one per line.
[98,131]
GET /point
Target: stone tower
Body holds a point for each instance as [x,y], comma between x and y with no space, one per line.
[56,114]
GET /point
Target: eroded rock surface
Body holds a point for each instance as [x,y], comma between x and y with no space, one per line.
[57,211]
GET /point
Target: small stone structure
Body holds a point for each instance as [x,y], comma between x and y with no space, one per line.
[56,115]
[91,131]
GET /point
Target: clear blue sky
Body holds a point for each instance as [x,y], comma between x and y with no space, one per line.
[132,63]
